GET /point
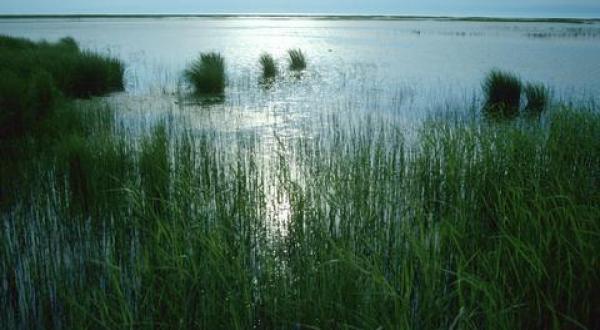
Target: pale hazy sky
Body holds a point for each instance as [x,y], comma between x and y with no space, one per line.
[529,8]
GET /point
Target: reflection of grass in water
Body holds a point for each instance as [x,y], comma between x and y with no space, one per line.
[375,236]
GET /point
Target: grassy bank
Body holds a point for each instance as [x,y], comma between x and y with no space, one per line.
[476,225]
[39,76]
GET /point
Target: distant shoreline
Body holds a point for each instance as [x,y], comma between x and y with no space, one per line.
[314,16]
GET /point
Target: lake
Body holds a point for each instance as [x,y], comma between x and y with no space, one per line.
[401,68]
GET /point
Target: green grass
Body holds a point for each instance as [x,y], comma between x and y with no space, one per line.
[75,72]
[207,74]
[297,60]
[37,76]
[502,92]
[538,97]
[269,66]
[478,226]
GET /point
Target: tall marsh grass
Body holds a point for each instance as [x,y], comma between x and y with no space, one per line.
[207,74]
[502,92]
[36,76]
[297,60]
[538,97]
[269,66]
[474,226]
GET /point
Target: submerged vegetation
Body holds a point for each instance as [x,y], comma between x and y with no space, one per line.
[297,60]
[472,225]
[207,74]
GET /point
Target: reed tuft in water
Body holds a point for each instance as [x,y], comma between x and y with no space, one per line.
[207,74]
[297,60]
[538,97]
[269,66]
[502,92]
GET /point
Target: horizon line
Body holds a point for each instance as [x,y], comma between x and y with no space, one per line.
[305,15]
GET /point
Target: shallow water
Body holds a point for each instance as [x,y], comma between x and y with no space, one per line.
[402,69]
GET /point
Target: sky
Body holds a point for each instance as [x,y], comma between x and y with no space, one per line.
[514,8]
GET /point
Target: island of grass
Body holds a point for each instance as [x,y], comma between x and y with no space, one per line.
[206,74]
[297,60]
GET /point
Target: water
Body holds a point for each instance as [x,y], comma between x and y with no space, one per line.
[401,69]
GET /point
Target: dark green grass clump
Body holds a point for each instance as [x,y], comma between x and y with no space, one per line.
[91,74]
[207,74]
[269,66]
[76,73]
[297,60]
[37,76]
[538,97]
[502,93]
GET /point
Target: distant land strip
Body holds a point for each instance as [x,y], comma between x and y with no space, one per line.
[314,16]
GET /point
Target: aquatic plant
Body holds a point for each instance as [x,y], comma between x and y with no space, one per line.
[42,94]
[207,74]
[91,74]
[502,92]
[297,60]
[13,103]
[75,73]
[154,169]
[269,66]
[35,76]
[537,95]
[69,43]
[191,224]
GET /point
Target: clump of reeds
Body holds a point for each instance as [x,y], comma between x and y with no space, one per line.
[93,74]
[269,66]
[297,60]
[502,91]
[69,43]
[207,74]
[80,160]
[37,74]
[537,95]
[41,95]
[154,168]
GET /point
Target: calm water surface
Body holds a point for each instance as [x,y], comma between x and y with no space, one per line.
[401,69]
